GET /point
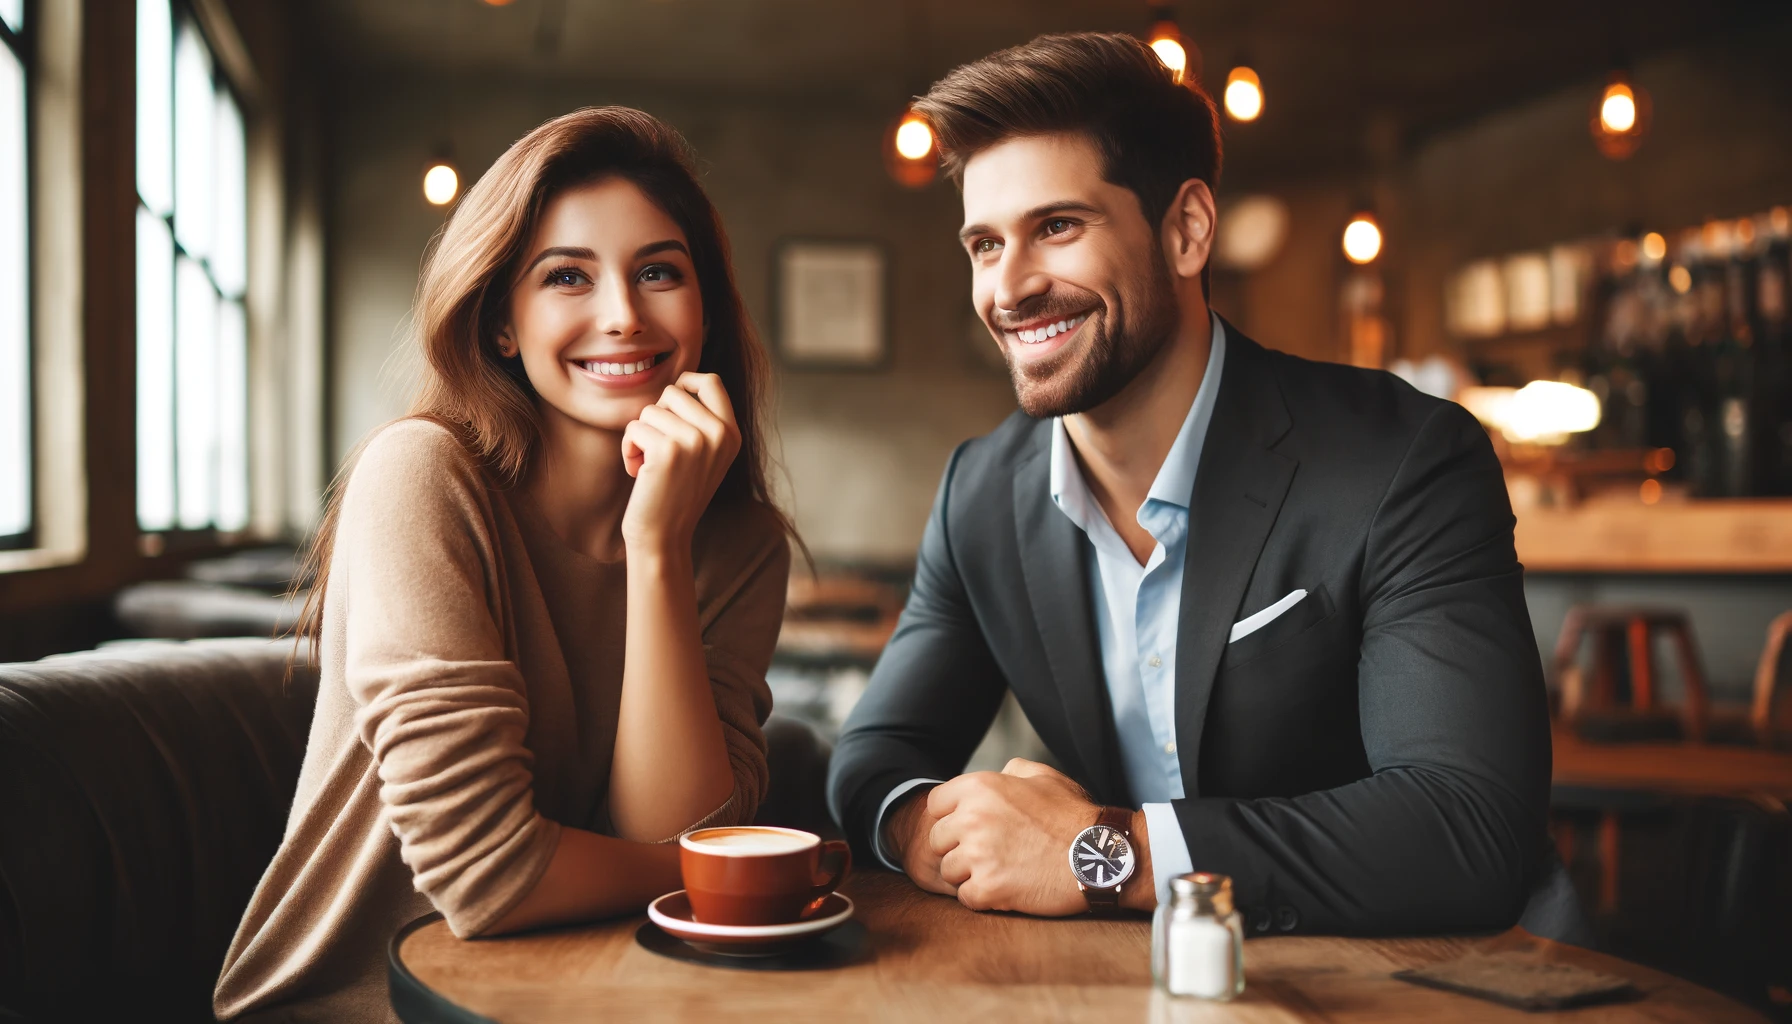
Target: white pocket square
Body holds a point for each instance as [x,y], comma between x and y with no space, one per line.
[1250,624]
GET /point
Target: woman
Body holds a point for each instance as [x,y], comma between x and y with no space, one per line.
[548,597]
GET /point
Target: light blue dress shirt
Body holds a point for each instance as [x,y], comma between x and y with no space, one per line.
[1136,611]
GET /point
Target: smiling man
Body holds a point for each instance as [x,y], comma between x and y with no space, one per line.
[1265,612]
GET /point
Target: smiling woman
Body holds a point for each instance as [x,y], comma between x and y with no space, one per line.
[546,599]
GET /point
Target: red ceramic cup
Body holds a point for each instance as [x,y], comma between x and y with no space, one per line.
[759,874]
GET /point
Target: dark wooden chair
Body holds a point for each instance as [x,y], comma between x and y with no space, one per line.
[1617,698]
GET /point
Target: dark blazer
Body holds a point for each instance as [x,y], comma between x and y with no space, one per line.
[1375,760]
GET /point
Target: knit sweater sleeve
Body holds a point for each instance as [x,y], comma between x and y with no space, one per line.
[440,705]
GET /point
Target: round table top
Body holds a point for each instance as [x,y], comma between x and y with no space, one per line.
[930,959]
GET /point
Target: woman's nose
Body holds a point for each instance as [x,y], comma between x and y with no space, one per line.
[618,315]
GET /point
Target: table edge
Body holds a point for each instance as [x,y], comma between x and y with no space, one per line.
[412,1000]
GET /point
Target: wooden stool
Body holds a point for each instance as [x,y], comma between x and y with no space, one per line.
[1626,634]
[1623,635]
[1767,680]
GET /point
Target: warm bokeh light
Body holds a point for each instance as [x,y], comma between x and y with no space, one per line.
[1649,492]
[441,184]
[1617,110]
[914,140]
[1547,411]
[1244,94]
[1681,279]
[1362,239]
[1654,246]
[1166,42]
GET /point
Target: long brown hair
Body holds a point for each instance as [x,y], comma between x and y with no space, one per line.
[462,303]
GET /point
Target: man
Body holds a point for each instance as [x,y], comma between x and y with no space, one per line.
[1265,612]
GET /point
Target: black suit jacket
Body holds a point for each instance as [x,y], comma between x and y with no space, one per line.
[1375,760]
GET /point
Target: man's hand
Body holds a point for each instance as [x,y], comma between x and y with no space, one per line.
[905,832]
[1001,842]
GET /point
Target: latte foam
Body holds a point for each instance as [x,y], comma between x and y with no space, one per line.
[749,842]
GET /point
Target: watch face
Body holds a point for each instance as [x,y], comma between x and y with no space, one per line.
[1101,858]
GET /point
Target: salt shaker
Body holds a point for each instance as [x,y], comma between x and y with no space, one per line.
[1197,941]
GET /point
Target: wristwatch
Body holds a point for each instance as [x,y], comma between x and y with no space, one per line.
[1102,859]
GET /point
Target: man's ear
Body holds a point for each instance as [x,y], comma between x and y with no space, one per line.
[1188,229]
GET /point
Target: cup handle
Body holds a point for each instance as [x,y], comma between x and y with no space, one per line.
[819,893]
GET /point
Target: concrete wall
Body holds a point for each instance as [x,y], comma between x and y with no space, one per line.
[862,450]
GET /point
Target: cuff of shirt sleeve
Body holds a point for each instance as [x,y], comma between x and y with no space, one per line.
[877,824]
[1169,849]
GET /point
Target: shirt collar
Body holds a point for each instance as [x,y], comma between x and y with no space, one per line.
[1175,481]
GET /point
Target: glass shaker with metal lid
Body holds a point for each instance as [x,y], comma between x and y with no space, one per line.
[1197,940]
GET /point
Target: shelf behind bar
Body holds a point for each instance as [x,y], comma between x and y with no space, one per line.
[1724,536]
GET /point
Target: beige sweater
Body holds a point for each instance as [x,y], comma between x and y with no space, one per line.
[472,672]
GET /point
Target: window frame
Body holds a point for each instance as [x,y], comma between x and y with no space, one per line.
[183,15]
[20,45]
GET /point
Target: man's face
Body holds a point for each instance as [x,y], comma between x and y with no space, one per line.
[1065,272]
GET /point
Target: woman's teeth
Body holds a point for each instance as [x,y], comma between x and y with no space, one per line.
[618,369]
[1038,335]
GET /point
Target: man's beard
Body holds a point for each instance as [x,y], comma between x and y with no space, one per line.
[1101,366]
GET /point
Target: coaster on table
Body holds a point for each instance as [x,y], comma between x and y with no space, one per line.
[1518,979]
[837,948]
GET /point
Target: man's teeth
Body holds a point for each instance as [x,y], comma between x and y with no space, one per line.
[618,369]
[1033,337]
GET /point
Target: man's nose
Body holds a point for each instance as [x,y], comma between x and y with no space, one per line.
[618,312]
[1018,278]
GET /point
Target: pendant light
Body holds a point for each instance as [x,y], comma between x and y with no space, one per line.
[1244,94]
[910,154]
[1362,238]
[1166,42]
[1620,116]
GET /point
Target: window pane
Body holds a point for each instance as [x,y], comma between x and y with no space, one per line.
[195,153]
[13,12]
[233,417]
[155,105]
[195,395]
[15,351]
[155,373]
[230,245]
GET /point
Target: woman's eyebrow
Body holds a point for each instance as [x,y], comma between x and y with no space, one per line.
[569,252]
[667,245]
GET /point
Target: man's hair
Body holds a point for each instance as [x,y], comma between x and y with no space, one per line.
[1152,132]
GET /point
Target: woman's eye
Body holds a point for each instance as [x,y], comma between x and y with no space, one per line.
[660,273]
[566,278]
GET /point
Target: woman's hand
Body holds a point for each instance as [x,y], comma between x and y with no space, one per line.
[677,451]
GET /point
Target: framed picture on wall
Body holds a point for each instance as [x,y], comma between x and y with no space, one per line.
[831,304]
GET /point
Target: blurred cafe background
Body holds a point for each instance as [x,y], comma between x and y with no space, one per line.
[1571,216]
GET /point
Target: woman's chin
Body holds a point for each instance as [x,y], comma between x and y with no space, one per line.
[610,415]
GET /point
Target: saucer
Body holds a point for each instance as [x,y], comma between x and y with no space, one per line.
[672,912]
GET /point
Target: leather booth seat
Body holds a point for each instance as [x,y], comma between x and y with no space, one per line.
[143,789]
[146,788]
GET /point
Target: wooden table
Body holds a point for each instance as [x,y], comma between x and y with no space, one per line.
[932,960]
[1688,769]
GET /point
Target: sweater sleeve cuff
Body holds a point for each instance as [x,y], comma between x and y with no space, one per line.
[877,823]
[1169,847]
[471,922]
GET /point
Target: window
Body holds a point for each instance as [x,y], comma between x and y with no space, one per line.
[192,333]
[16,484]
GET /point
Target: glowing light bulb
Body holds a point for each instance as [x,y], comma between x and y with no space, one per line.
[441,185]
[1168,47]
[1244,94]
[1654,246]
[1362,239]
[914,140]
[1617,111]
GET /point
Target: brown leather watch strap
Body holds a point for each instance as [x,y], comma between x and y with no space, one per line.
[1107,901]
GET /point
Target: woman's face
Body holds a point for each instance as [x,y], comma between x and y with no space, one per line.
[606,312]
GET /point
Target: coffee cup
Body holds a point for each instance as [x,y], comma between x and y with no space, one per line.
[759,874]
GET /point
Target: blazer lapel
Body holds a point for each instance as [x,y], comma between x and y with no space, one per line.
[1055,562]
[1238,493]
